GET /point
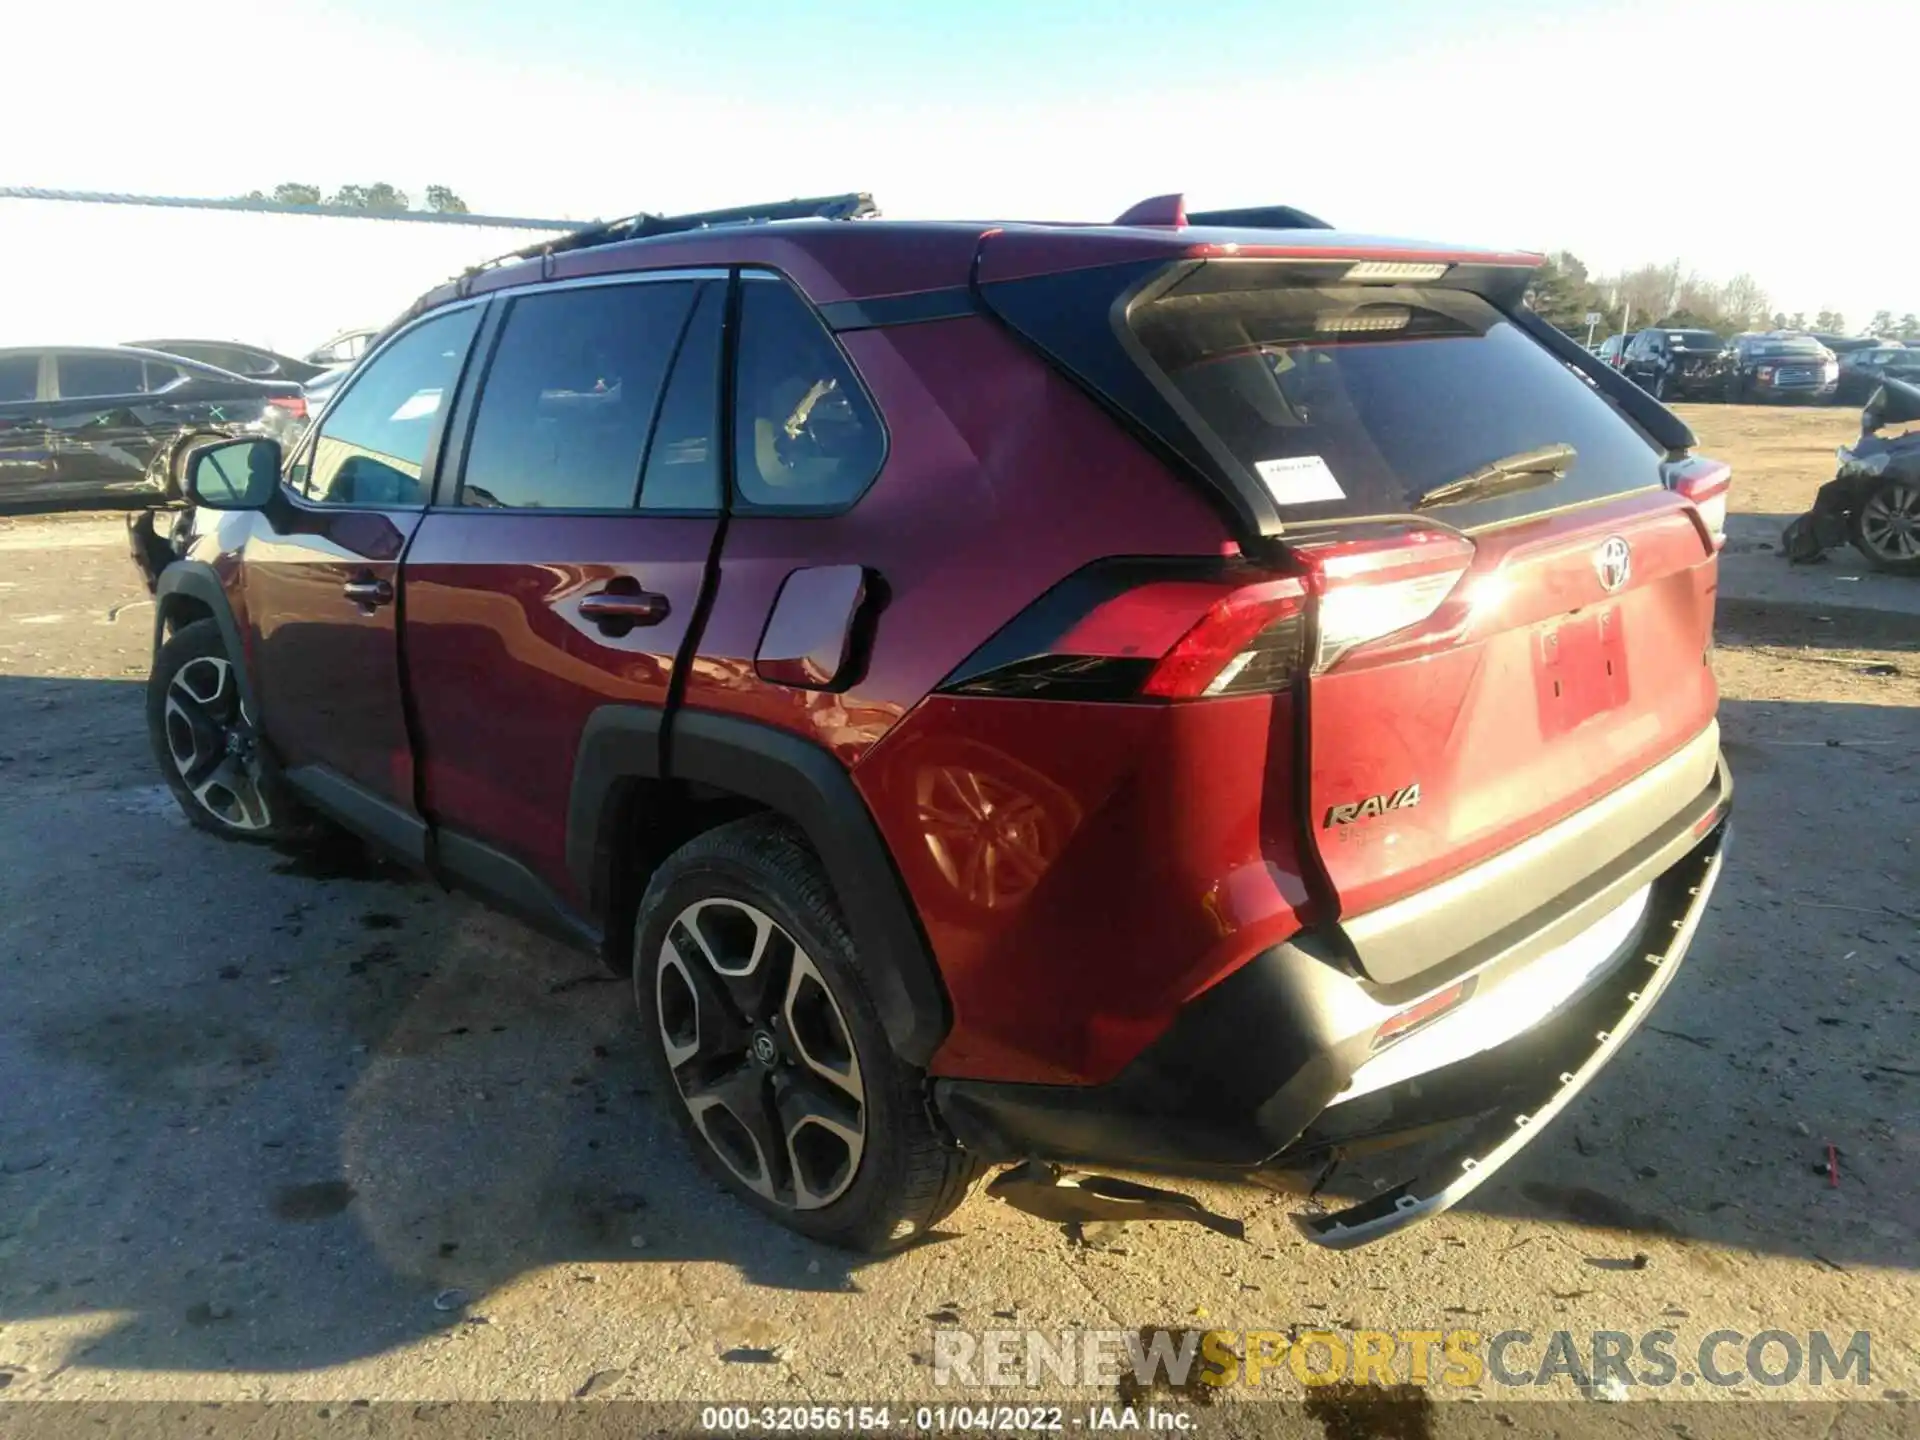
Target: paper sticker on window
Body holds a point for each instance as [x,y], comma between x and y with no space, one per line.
[420,403]
[1299,480]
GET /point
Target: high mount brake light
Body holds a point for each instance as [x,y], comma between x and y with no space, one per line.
[1706,484]
[1396,270]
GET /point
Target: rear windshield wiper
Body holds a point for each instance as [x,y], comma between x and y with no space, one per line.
[1502,477]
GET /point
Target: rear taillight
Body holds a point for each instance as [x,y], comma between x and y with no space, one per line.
[1248,641]
[1232,632]
[1367,588]
[1706,484]
[294,405]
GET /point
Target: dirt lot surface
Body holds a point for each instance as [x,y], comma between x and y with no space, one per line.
[279,1127]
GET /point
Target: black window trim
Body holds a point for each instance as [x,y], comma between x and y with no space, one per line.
[736,503]
[450,474]
[436,437]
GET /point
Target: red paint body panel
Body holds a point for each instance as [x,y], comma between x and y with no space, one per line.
[1465,704]
[1001,479]
[1082,870]
[504,671]
[327,671]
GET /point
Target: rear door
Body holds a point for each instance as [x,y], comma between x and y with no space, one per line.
[321,575]
[562,569]
[1485,667]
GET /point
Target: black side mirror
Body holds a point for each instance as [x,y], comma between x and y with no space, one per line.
[234,475]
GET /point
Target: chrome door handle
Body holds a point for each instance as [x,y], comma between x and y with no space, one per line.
[368,593]
[613,608]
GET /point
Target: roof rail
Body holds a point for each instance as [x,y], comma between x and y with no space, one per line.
[856,206]
[1171,210]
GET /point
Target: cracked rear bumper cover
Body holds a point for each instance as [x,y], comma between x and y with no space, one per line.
[1249,1078]
[1538,1079]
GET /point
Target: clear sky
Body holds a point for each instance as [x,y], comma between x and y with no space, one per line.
[1728,135]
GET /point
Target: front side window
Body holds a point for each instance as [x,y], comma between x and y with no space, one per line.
[571,397]
[87,377]
[372,447]
[805,435]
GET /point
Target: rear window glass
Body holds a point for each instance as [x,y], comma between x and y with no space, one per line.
[1693,340]
[1804,349]
[1349,401]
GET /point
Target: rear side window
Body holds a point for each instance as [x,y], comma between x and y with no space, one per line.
[156,376]
[805,435]
[571,397]
[19,378]
[84,377]
[1350,401]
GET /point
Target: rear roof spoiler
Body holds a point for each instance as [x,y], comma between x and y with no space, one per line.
[1172,210]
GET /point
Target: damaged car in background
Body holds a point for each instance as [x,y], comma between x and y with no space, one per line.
[1873,499]
[97,428]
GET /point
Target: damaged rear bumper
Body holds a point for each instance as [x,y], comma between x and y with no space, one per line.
[1268,1070]
[1534,1077]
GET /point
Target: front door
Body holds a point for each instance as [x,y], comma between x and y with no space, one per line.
[321,580]
[562,570]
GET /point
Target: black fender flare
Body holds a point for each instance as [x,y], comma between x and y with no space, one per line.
[811,788]
[196,580]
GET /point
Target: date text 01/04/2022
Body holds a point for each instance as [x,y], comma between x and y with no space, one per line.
[937,1419]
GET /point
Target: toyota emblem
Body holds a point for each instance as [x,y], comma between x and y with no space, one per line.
[1613,562]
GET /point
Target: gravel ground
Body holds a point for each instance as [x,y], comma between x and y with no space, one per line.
[281,1127]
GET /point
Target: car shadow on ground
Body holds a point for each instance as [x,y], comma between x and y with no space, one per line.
[270,1112]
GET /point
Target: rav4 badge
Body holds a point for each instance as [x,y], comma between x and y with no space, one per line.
[1402,799]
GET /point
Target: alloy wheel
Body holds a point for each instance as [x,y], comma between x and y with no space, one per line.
[1890,522]
[212,742]
[761,1053]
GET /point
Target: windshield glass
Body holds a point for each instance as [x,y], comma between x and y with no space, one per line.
[1804,349]
[1357,400]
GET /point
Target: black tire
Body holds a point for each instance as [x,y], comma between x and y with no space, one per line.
[1885,526]
[905,1176]
[257,805]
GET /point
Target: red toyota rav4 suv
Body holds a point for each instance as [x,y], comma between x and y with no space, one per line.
[1198,694]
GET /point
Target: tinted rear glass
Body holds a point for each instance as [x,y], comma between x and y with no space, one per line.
[1693,340]
[1803,349]
[1349,401]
